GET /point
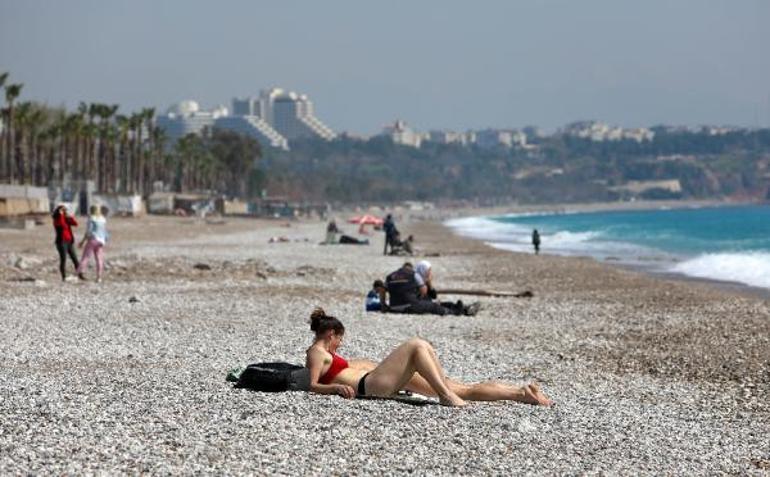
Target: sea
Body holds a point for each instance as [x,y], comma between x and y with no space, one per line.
[724,243]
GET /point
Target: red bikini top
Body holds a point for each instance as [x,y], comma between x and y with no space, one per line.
[338,364]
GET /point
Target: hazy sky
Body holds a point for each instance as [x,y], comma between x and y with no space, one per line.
[435,64]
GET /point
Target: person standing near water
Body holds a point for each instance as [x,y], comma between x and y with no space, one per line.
[63,222]
[536,241]
[94,239]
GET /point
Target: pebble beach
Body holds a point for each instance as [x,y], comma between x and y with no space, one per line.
[650,375]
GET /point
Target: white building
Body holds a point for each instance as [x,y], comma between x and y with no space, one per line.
[400,133]
[288,113]
[186,118]
[255,127]
[494,138]
[597,131]
[452,137]
[273,118]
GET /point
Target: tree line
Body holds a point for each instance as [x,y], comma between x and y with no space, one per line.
[121,153]
[560,168]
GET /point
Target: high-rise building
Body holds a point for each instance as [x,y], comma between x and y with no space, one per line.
[273,118]
[186,118]
[287,112]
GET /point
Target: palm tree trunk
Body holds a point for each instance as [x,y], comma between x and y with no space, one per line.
[11,156]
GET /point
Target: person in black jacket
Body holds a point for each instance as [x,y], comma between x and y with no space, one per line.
[391,233]
[411,291]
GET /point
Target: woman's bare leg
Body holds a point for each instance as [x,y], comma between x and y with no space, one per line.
[485,391]
[395,371]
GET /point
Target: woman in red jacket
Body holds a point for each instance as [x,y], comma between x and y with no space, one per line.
[63,222]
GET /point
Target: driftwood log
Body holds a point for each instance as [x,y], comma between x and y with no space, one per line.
[462,291]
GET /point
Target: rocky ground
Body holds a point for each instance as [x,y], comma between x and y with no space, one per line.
[127,376]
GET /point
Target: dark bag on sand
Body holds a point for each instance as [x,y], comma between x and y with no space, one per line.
[274,377]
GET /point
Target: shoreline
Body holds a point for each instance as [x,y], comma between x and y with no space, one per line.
[729,285]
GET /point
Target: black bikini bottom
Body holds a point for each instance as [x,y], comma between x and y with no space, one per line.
[362,385]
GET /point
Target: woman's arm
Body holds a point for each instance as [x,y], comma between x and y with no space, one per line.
[314,363]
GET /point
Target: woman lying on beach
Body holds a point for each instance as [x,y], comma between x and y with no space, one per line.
[412,366]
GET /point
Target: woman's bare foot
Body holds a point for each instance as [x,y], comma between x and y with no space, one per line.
[452,400]
[533,395]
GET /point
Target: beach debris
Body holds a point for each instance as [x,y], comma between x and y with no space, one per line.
[493,293]
[761,463]
[304,270]
[35,281]
[133,299]
[118,264]
[202,266]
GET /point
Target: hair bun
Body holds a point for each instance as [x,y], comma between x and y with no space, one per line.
[315,318]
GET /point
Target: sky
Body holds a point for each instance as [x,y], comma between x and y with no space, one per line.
[440,64]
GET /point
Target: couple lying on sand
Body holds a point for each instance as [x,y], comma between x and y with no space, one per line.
[412,366]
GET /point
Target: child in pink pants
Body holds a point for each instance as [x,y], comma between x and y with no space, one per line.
[95,238]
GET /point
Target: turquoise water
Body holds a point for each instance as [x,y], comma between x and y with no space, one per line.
[720,243]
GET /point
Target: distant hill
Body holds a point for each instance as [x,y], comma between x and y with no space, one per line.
[561,168]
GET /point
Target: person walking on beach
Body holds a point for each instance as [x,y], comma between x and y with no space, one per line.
[391,233]
[63,222]
[412,366]
[536,241]
[94,239]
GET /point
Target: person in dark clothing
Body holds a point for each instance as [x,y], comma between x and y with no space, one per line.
[391,233]
[536,241]
[411,293]
[63,222]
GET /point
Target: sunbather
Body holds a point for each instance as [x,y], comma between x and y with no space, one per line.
[412,366]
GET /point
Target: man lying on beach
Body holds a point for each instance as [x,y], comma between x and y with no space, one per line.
[411,291]
[412,366]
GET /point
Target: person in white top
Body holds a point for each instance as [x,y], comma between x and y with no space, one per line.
[94,240]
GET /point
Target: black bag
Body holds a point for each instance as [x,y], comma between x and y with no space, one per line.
[274,377]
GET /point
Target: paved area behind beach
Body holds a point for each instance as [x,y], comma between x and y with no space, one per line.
[127,376]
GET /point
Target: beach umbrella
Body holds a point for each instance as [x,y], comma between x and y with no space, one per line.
[365,220]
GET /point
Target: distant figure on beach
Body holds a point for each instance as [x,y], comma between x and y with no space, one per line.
[410,290]
[331,232]
[536,241]
[94,240]
[412,366]
[331,236]
[401,247]
[63,222]
[391,233]
[376,299]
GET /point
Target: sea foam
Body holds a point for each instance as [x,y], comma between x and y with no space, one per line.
[749,268]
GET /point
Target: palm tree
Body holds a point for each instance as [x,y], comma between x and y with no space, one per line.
[124,128]
[135,122]
[159,139]
[22,124]
[39,117]
[105,113]
[12,91]
[148,171]
[3,122]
